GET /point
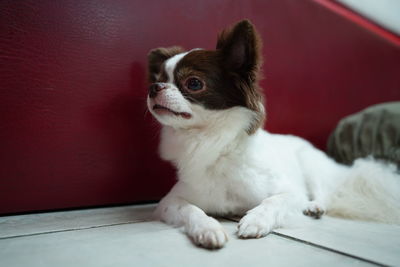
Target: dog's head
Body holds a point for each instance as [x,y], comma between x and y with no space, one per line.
[189,89]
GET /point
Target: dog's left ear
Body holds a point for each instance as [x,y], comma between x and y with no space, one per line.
[240,47]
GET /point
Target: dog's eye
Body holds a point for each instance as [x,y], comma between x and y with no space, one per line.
[194,84]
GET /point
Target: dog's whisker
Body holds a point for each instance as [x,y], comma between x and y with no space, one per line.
[145,112]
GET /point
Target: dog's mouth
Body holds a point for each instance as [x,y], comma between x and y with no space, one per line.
[162,110]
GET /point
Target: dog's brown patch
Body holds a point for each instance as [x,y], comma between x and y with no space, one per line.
[156,59]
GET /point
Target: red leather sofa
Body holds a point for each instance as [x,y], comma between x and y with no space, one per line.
[74,131]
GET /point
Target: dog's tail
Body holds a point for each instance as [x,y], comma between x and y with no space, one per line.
[371,191]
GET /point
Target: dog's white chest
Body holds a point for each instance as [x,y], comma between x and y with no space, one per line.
[230,187]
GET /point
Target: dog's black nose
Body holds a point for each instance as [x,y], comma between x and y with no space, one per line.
[155,88]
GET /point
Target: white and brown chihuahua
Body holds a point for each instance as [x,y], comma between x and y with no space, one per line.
[211,110]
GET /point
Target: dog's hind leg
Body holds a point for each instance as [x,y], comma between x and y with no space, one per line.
[322,176]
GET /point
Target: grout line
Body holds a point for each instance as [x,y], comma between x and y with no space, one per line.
[318,246]
[70,230]
[328,249]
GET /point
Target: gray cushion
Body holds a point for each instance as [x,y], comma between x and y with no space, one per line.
[373,131]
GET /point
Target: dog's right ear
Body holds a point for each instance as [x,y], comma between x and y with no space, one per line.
[157,57]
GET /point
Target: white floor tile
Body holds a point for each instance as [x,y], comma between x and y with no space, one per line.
[67,220]
[124,236]
[373,241]
[155,244]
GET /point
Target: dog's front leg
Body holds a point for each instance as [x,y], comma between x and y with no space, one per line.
[203,230]
[270,214]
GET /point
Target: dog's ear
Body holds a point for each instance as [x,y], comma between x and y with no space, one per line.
[240,47]
[157,57]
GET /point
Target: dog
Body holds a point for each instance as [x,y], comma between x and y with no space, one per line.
[211,109]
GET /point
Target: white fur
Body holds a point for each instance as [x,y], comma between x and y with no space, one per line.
[371,191]
[170,65]
[267,178]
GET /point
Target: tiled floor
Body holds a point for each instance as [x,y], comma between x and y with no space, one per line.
[124,236]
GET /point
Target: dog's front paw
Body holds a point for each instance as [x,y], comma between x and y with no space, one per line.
[314,210]
[255,224]
[208,233]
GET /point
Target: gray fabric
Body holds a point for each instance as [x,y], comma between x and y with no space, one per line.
[374,131]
